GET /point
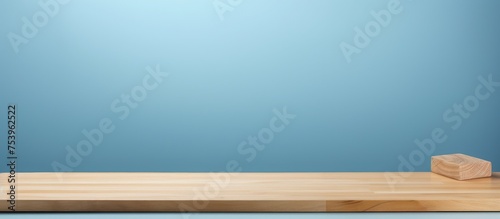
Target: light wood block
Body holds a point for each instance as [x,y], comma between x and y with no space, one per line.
[250,192]
[460,166]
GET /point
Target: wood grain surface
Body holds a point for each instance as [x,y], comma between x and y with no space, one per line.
[460,166]
[250,192]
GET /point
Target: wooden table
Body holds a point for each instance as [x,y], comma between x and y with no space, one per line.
[249,192]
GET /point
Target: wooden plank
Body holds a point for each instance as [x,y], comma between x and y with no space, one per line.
[460,166]
[249,192]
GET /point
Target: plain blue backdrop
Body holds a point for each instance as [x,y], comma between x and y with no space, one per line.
[226,77]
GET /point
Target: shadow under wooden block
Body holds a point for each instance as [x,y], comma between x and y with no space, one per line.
[460,166]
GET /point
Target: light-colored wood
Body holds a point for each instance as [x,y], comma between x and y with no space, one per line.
[251,192]
[460,166]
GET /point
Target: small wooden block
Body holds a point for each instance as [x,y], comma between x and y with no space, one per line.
[460,166]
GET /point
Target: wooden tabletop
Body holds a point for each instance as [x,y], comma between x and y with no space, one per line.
[249,192]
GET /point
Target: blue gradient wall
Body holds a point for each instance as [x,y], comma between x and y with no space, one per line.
[229,80]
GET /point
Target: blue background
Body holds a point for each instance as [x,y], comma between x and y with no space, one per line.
[227,76]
